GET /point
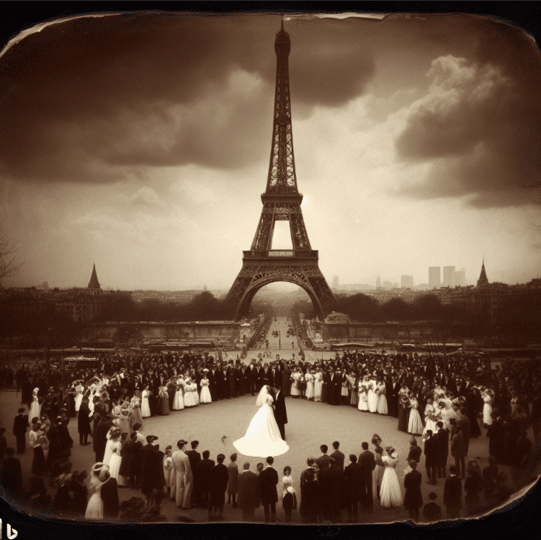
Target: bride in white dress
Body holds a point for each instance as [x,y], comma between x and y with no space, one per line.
[263,437]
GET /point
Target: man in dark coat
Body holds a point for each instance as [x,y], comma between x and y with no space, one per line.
[152,475]
[100,439]
[249,493]
[204,467]
[268,480]
[26,392]
[218,478]
[20,423]
[330,482]
[464,423]
[323,460]
[134,461]
[443,450]
[367,464]
[11,476]
[452,494]
[311,505]
[431,456]
[457,451]
[351,479]
[280,412]
[413,497]
[195,457]
[338,456]
[83,422]
[109,496]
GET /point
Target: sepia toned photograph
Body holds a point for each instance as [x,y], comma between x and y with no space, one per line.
[273,268]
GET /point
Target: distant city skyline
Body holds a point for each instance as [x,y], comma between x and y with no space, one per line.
[141,144]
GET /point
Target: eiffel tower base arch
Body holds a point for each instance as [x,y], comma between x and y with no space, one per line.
[256,275]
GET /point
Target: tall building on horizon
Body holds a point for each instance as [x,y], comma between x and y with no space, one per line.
[460,278]
[434,277]
[335,282]
[378,283]
[483,280]
[406,282]
[448,276]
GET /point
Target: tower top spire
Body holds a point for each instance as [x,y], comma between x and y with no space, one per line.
[94,283]
[483,280]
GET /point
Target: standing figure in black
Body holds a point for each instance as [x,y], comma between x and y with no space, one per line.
[280,412]
[20,423]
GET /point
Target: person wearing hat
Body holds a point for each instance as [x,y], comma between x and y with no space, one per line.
[100,438]
[152,476]
[20,424]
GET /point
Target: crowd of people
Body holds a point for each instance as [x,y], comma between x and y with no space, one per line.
[445,400]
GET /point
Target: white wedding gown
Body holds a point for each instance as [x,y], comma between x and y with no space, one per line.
[263,437]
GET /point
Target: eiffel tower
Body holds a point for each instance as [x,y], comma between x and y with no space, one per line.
[281,201]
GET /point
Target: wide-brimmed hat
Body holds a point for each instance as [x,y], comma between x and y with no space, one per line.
[151,438]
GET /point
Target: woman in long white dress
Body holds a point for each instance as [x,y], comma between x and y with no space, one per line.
[372,396]
[430,417]
[318,386]
[487,408]
[111,434]
[94,507]
[205,391]
[382,398]
[262,437]
[309,385]
[116,459]
[79,391]
[415,424]
[145,406]
[390,495]
[35,407]
[189,400]
[178,402]
[295,385]
[363,395]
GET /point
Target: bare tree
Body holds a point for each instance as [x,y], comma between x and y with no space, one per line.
[9,266]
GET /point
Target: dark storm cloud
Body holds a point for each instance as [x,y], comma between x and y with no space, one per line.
[83,99]
[481,122]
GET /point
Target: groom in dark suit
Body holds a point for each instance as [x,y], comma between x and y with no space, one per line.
[280,413]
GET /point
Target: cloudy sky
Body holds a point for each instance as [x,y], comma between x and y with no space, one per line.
[141,142]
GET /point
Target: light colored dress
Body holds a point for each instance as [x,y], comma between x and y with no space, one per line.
[309,386]
[372,397]
[168,470]
[295,390]
[430,419]
[145,406]
[363,397]
[178,401]
[124,420]
[415,424]
[262,437]
[35,408]
[487,409]
[189,395]
[390,495]
[382,400]
[79,389]
[205,392]
[318,386]
[94,508]
[114,462]
[108,448]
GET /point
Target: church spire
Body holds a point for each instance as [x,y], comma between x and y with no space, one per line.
[94,283]
[483,280]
